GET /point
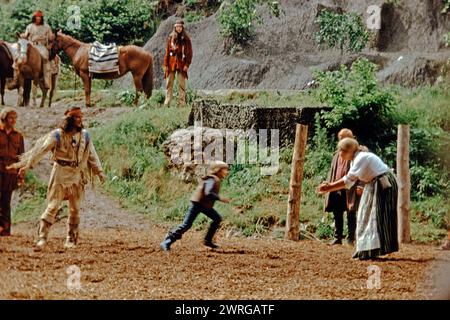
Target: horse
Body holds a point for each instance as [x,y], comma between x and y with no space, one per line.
[132,59]
[55,63]
[6,69]
[30,69]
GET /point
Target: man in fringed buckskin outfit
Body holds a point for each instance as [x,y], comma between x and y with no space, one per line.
[75,164]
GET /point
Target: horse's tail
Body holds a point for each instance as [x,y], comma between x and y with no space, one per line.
[147,79]
[26,91]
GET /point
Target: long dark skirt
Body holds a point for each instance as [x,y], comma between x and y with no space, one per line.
[386,220]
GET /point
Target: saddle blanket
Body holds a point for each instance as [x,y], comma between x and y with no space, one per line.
[103,58]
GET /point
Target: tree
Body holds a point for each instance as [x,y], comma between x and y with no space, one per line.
[344,31]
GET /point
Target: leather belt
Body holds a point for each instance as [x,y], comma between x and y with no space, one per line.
[63,163]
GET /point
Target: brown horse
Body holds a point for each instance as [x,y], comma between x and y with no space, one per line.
[55,63]
[29,65]
[6,70]
[131,58]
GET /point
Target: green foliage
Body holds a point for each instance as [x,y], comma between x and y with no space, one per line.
[446,39]
[427,180]
[433,210]
[344,31]
[238,18]
[157,97]
[358,102]
[132,156]
[14,18]
[127,97]
[318,157]
[325,230]
[446,6]
[394,3]
[119,21]
[193,16]
[32,202]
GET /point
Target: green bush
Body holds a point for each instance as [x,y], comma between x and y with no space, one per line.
[14,18]
[238,18]
[344,31]
[319,155]
[358,102]
[127,97]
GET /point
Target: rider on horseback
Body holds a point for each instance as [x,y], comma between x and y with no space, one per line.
[40,35]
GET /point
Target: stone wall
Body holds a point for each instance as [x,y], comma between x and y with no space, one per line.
[212,114]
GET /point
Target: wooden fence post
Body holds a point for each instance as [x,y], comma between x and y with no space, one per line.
[404,184]
[295,185]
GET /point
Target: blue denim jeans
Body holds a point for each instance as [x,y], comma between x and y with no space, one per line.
[194,209]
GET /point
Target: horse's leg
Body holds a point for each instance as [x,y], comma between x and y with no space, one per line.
[34,94]
[87,87]
[20,93]
[50,94]
[2,88]
[139,87]
[44,93]
[52,89]
[28,83]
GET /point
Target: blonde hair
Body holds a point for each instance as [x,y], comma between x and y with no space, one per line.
[5,112]
[348,145]
[216,167]
[345,133]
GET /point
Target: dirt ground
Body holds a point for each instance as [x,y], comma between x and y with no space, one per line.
[118,257]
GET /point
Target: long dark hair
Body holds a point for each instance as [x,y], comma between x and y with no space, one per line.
[67,124]
[179,38]
[33,20]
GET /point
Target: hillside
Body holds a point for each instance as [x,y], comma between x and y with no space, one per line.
[283,53]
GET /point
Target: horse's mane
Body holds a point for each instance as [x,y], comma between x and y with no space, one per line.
[70,39]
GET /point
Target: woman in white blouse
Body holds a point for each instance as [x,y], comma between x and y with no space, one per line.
[376,231]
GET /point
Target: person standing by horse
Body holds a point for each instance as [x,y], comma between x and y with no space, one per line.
[40,35]
[75,164]
[11,146]
[177,59]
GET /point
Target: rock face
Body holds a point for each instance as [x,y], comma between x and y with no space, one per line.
[211,113]
[283,52]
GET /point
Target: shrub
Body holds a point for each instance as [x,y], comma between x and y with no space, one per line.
[344,31]
[358,102]
[237,19]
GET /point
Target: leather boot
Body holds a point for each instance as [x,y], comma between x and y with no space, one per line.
[44,228]
[168,240]
[210,244]
[72,236]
